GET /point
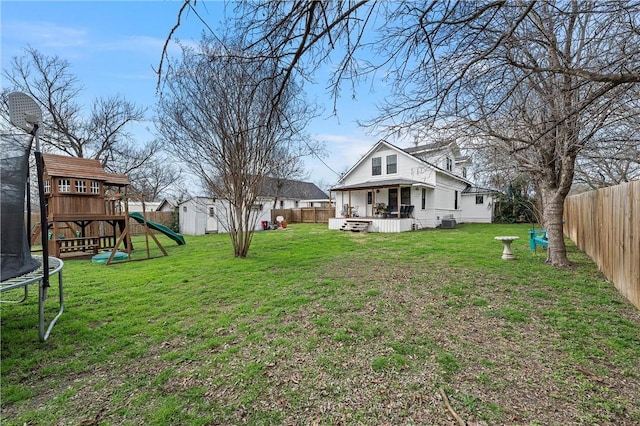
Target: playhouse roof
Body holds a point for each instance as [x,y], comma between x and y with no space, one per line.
[83,168]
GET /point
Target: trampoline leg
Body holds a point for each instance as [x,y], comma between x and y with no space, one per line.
[42,297]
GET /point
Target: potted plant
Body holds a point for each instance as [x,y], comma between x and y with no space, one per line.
[381,209]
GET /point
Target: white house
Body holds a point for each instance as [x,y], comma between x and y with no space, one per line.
[394,190]
[202,215]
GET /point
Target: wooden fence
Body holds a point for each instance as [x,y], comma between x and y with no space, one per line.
[163,218]
[304,215]
[605,224]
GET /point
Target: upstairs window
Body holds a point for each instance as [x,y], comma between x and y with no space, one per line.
[212,212]
[392,164]
[81,186]
[64,185]
[464,172]
[47,186]
[376,166]
[424,199]
[449,164]
[479,199]
[95,187]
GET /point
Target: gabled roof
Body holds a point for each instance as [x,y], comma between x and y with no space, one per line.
[374,148]
[291,189]
[401,151]
[82,168]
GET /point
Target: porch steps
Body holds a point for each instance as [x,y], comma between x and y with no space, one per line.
[355,225]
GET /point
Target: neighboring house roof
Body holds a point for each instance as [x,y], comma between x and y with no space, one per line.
[166,203]
[81,168]
[291,189]
[197,199]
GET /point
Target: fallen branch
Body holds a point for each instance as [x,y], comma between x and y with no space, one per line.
[451,410]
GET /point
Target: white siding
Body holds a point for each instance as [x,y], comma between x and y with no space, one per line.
[193,216]
[477,213]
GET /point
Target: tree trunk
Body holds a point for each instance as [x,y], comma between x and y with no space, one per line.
[552,214]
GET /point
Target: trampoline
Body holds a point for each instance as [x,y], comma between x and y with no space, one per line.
[18,268]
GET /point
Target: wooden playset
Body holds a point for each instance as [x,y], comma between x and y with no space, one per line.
[86,208]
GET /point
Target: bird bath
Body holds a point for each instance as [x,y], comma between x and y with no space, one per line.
[507,240]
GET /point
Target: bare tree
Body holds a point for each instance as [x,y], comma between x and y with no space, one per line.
[539,79]
[67,127]
[102,133]
[218,114]
[287,164]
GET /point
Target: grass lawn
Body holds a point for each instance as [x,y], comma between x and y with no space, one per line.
[326,327]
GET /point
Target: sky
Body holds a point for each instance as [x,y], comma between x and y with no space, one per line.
[115,46]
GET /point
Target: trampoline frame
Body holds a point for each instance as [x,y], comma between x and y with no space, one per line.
[55,266]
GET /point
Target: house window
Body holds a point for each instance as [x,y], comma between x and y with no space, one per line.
[449,164]
[47,186]
[455,200]
[212,212]
[64,185]
[95,187]
[376,166]
[184,209]
[297,204]
[392,164]
[257,207]
[281,204]
[424,198]
[464,172]
[405,195]
[479,199]
[369,197]
[81,186]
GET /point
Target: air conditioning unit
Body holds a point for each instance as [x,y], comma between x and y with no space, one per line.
[448,223]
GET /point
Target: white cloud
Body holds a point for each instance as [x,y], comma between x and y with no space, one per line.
[45,34]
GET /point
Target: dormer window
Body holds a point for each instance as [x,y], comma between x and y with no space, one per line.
[376,166]
[392,164]
[449,163]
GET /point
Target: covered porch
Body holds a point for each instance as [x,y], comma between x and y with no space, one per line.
[384,205]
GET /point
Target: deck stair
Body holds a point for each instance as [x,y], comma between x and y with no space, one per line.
[355,225]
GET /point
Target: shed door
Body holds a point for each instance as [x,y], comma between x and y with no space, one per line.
[212,221]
